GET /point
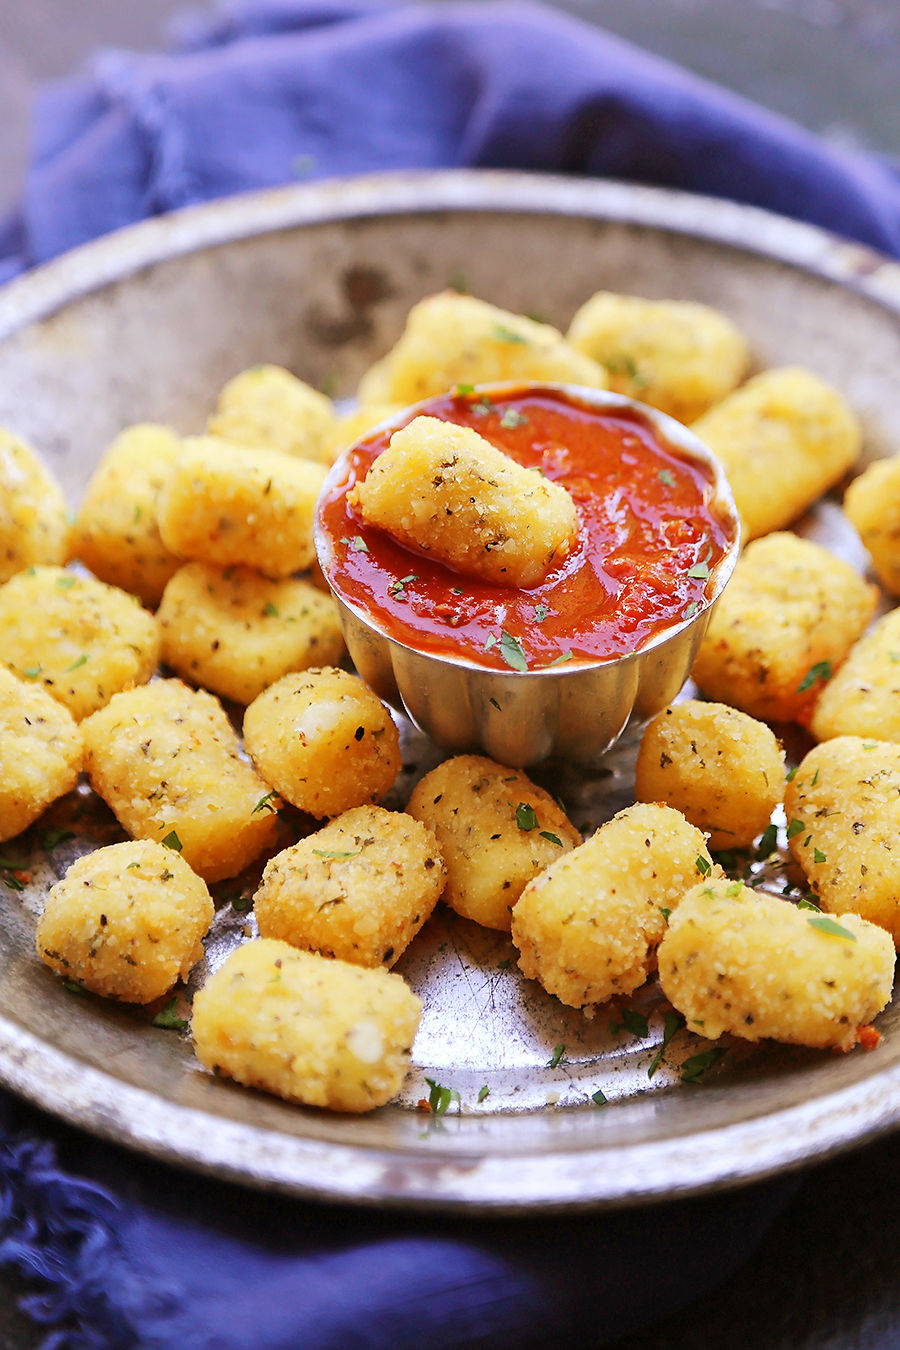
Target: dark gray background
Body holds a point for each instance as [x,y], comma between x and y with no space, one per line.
[827,1277]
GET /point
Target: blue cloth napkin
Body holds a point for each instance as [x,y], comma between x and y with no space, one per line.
[130,1253]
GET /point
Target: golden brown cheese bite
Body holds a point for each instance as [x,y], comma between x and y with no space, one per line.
[224,505]
[359,889]
[676,355]
[126,921]
[588,927]
[453,339]
[784,624]
[496,831]
[723,770]
[446,490]
[33,526]
[166,759]
[41,750]
[79,639]
[314,1031]
[784,438]
[843,812]
[235,632]
[266,407]
[747,963]
[863,699]
[872,504]
[115,533]
[323,740]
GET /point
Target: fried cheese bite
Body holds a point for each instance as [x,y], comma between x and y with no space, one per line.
[311,1030]
[676,355]
[323,740]
[723,770]
[739,961]
[353,426]
[843,812]
[784,438]
[784,624]
[453,339]
[872,504]
[268,408]
[358,890]
[235,632]
[115,533]
[79,639]
[589,925]
[33,526]
[863,699]
[224,505]
[41,750]
[166,759]
[496,831]
[126,921]
[447,491]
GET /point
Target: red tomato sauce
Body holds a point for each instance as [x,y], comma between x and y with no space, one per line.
[648,539]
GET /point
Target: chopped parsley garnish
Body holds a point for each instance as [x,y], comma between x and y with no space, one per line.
[819,856]
[561,659]
[32,672]
[823,924]
[526,816]
[131,865]
[870,745]
[168,1018]
[496,704]
[241,903]
[598,1098]
[265,804]
[704,867]
[82,660]
[664,912]
[540,613]
[483,406]
[335,854]
[398,588]
[691,609]
[792,774]
[13,883]
[632,1021]
[796,827]
[700,571]
[54,837]
[693,1069]
[172,841]
[559,1054]
[74,988]
[820,671]
[463,389]
[666,477]
[65,583]
[511,651]
[734,890]
[815,778]
[808,903]
[359,544]
[440,1097]
[672,1024]
[768,843]
[489,642]
[270,611]
[504,965]
[552,838]
[505,335]
[483,1092]
[512,418]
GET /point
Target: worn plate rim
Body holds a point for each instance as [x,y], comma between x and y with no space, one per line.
[610,1177]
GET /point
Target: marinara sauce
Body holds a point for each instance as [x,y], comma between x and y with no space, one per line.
[648,540]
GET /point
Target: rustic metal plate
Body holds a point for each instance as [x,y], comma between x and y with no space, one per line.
[147,324]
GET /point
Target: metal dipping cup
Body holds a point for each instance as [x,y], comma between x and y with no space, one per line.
[575,712]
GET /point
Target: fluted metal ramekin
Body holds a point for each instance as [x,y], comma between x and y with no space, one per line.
[519,718]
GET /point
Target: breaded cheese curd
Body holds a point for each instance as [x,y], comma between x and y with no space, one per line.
[324,741]
[126,921]
[166,759]
[235,632]
[115,532]
[784,438]
[863,699]
[266,407]
[843,812]
[496,831]
[453,339]
[359,889]
[723,770]
[782,627]
[311,1030]
[33,525]
[221,504]
[446,490]
[41,749]
[675,355]
[79,639]
[588,927]
[872,504]
[739,961]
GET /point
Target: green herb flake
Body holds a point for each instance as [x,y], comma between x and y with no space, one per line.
[792,774]
[693,1069]
[869,745]
[815,778]
[335,854]
[32,672]
[265,804]
[808,903]
[691,609]
[131,865]
[490,641]
[504,965]
[359,544]
[270,611]
[823,924]
[495,704]
[666,477]
[540,613]
[672,1024]
[700,571]
[65,583]
[819,856]
[74,988]
[82,660]
[796,827]
[704,866]
[172,841]
[241,903]
[561,659]
[734,890]
[526,816]
[440,1097]
[168,1020]
[768,843]
[820,671]
[559,1054]
[512,418]
[483,1093]
[636,1023]
[666,913]
[511,651]
[13,883]
[505,335]
[463,389]
[598,1098]
[54,837]
[552,838]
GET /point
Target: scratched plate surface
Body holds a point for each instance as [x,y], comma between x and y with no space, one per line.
[148,325]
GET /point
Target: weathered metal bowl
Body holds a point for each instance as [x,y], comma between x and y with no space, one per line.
[522,717]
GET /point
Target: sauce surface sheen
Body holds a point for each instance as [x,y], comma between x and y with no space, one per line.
[645,523]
